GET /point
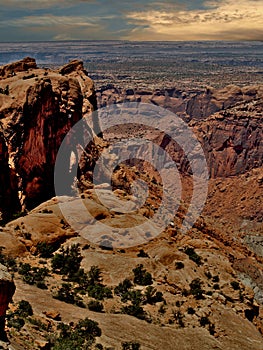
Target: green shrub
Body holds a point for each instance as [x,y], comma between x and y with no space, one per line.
[67,262]
[179,318]
[67,294]
[77,337]
[204,321]
[122,290]
[98,291]
[33,275]
[235,285]
[95,305]
[130,346]
[193,255]
[195,288]
[141,276]
[190,311]
[142,254]
[152,296]
[179,265]
[45,250]
[17,318]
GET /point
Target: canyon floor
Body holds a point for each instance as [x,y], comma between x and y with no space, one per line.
[197,290]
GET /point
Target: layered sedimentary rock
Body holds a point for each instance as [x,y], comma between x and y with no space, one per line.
[7,290]
[37,110]
[189,103]
[232,139]
[227,122]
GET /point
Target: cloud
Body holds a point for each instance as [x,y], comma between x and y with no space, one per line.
[40,4]
[218,20]
[49,21]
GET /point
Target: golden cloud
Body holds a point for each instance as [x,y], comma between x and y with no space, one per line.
[220,20]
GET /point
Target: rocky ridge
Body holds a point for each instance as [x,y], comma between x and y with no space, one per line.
[37,110]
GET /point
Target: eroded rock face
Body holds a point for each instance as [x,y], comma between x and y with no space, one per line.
[39,110]
[189,103]
[232,139]
[7,290]
[11,69]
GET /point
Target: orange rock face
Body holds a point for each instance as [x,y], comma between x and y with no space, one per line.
[37,110]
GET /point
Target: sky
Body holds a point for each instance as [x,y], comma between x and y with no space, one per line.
[26,20]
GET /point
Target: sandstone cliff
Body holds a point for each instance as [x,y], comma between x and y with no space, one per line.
[36,111]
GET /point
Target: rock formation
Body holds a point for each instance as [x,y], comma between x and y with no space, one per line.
[37,110]
[232,139]
[7,290]
[11,69]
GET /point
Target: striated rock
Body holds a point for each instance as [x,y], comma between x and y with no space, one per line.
[11,69]
[188,104]
[35,117]
[232,139]
[7,290]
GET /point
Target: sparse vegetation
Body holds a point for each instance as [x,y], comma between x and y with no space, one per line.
[179,265]
[95,305]
[193,255]
[196,289]
[67,294]
[17,318]
[78,337]
[152,296]
[141,276]
[131,346]
[67,262]
[235,285]
[33,275]
[45,250]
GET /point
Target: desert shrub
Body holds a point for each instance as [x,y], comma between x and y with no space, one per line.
[142,254]
[193,255]
[204,321]
[24,309]
[77,337]
[94,275]
[141,276]
[179,318]
[16,322]
[190,311]
[162,308]
[135,308]
[216,279]
[131,346]
[216,286]
[33,275]
[179,265]
[235,285]
[5,91]
[208,274]
[196,289]
[67,294]
[67,262]
[45,250]
[152,296]
[123,289]
[17,318]
[100,292]
[95,305]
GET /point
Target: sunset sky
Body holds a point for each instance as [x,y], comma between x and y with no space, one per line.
[24,20]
